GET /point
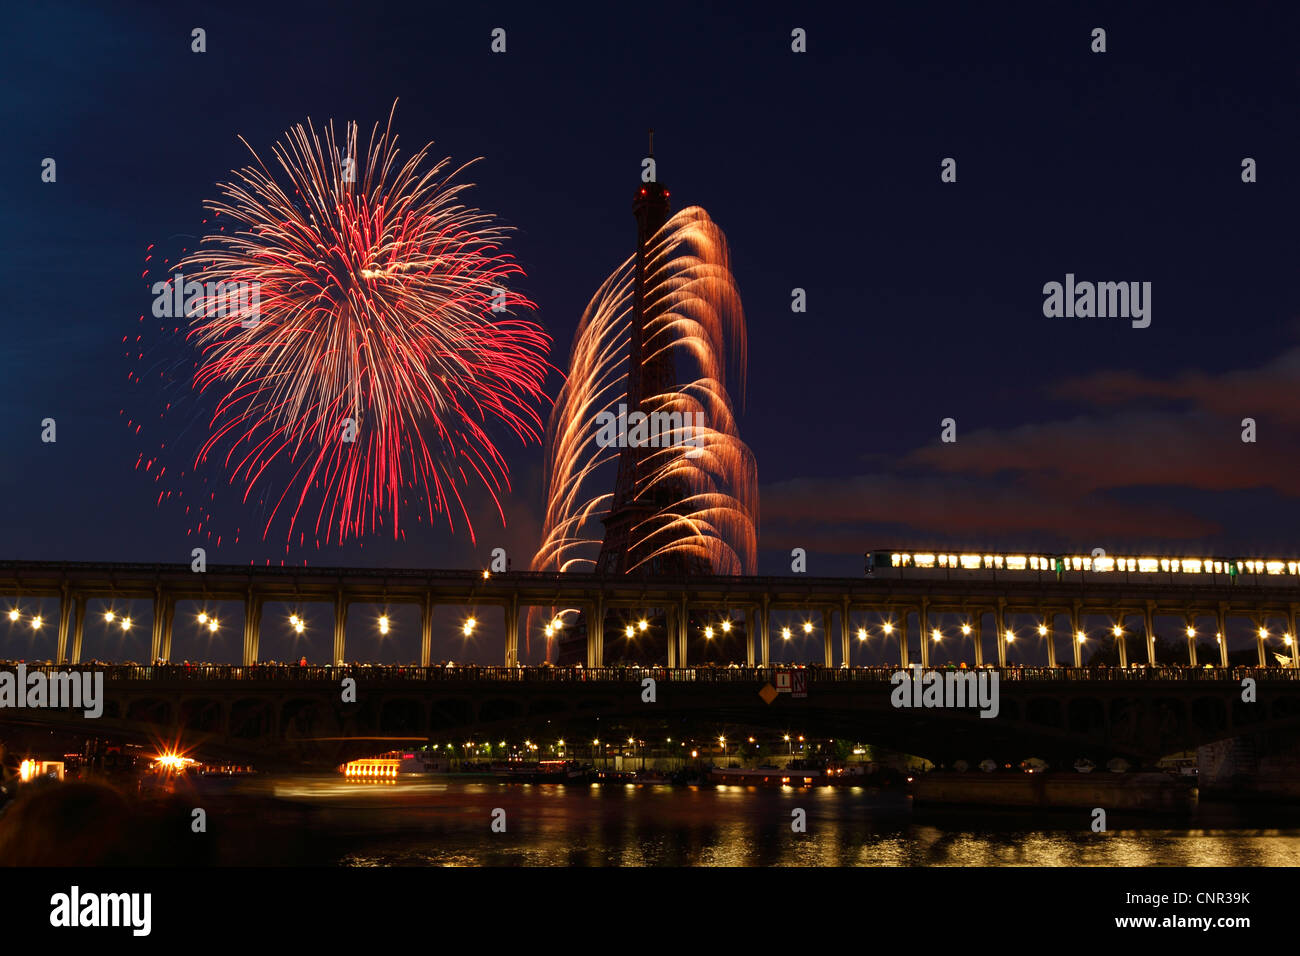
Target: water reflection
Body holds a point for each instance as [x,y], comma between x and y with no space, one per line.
[447,823]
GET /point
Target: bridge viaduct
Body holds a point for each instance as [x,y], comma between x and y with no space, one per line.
[1049,596]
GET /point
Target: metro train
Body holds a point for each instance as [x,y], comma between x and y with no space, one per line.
[1098,567]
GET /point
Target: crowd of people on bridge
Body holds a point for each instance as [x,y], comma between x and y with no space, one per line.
[715,671]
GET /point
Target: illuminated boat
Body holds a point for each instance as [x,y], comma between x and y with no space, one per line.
[395,764]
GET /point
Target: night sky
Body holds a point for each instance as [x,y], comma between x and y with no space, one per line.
[925,298]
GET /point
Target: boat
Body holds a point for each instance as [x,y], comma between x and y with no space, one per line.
[396,763]
[797,773]
[652,778]
[540,771]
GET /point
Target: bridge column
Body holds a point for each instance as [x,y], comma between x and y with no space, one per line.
[1002,632]
[340,627]
[1049,619]
[902,641]
[600,630]
[169,621]
[846,650]
[683,631]
[827,646]
[1222,637]
[1191,639]
[596,632]
[670,625]
[252,619]
[155,626]
[765,632]
[65,621]
[1074,635]
[426,630]
[1148,623]
[1049,622]
[1259,640]
[751,618]
[978,629]
[1121,642]
[512,631]
[78,630]
[1294,649]
[923,621]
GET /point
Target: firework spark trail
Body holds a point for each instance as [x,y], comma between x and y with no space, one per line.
[696,317]
[377,288]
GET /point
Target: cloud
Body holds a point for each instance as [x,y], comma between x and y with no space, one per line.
[1265,394]
[1110,472]
[832,514]
[1131,449]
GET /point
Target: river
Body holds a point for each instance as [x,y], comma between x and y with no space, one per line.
[449,822]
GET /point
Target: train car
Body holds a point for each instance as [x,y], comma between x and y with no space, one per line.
[1097,568]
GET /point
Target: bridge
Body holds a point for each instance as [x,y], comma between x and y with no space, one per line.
[898,610]
[292,714]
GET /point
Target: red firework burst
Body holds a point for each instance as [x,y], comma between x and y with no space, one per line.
[355,332]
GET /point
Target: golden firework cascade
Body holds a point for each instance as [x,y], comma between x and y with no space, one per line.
[659,337]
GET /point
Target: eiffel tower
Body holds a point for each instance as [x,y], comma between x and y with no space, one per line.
[635,499]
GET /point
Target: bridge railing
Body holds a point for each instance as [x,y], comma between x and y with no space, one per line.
[563,675]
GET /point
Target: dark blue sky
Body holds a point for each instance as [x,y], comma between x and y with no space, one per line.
[925,299]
